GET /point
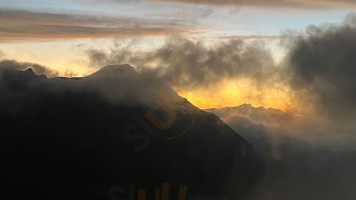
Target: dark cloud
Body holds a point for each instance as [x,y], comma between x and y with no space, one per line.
[311,156]
[20,25]
[192,64]
[38,69]
[304,156]
[323,66]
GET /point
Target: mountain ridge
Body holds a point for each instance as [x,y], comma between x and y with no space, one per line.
[86,136]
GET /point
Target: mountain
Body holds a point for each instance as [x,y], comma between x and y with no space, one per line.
[255,113]
[116,134]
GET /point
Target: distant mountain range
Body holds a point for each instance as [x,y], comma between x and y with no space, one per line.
[255,124]
[116,134]
[255,113]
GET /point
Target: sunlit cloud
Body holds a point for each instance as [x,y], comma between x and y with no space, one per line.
[23,25]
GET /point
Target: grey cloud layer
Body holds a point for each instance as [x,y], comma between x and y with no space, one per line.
[323,64]
[306,164]
[38,69]
[19,25]
[193,64]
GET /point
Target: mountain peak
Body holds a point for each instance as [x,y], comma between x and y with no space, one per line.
[116,70]
[29,70]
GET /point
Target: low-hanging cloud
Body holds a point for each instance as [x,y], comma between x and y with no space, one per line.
[306,158]
[323,66]
[38,69]
[192,64]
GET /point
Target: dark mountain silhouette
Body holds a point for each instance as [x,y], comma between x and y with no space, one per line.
[90,137]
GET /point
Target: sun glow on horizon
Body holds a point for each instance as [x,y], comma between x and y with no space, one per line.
[233,93]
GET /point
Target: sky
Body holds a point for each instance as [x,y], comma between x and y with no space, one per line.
[78,37]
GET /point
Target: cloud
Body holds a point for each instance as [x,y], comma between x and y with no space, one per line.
[38,69]
[313,156]
[306,158]
[273,3]
[240,70]
[323,64]
[317,72]
[23,25]
[193,64]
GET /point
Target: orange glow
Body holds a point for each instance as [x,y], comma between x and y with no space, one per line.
[234,93]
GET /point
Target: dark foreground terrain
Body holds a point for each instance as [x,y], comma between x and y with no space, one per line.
[112,134]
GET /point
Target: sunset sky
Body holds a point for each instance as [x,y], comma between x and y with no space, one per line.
[78,37]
